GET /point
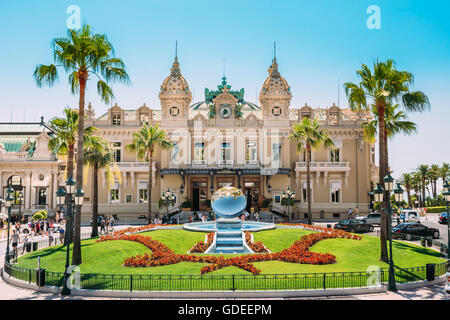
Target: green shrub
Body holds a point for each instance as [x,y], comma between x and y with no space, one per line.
[40,215]
[436,209]
[266,202]
[186,204]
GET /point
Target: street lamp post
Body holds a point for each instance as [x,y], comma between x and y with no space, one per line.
[168,197]
[447,200]
[379,192]
[9,202]
[71,198]
[289,195]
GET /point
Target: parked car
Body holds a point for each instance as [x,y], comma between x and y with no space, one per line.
[413,230]
[372,218]
[443,218]
[355,225]
[409,215]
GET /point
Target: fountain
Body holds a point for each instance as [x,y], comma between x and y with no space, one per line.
[228,204]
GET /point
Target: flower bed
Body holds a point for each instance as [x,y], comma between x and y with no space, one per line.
[297,253]
[201,246]
[255,246]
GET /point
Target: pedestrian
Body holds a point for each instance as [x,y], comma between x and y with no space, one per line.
[15,239]
[111,221]
[190,219]
[356,212]
[37,228]
[350,212]
[61,234]
[102,226]
[26,241]
[107,226]
[256,216]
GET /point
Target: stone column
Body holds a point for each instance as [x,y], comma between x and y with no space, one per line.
[28,200]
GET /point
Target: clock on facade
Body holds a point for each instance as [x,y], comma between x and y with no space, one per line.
[225,111]
[174,111]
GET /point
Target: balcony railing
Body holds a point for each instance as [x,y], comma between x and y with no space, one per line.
[133,166]
[225,162]
[323,166]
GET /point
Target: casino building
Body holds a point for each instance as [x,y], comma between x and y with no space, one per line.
[226,140]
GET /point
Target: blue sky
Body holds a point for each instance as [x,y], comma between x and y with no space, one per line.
[319,44]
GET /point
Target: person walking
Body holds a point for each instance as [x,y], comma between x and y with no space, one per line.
[111,221]
[356,212]
[15,239]
[256,216]
[26,241]
[350,213]
[61,234]
[102,226]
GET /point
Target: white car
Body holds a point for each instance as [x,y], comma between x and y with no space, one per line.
[373,218]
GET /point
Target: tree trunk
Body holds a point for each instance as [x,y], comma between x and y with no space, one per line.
[408,192]
[94,232]
[68,236]
[76,256]
[308,179]
[149,186]
[383,171]
[423,193]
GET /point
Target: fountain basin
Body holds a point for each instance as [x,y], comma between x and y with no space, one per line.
[211,226]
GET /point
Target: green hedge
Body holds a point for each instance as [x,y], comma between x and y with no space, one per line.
[436,209]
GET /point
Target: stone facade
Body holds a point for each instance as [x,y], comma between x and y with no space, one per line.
[223,140]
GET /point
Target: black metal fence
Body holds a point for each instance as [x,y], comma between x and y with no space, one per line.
[262,282]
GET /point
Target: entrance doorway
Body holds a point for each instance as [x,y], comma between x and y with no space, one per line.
[252,192]
[198,192]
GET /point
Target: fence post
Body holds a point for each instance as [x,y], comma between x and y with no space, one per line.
[324,281]
[131,283]
[29,275]
[233,284]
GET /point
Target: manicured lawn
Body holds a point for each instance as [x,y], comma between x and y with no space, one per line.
[107,258]
[351,255]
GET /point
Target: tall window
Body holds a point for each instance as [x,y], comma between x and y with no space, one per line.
[334,155]
[305,199]
[251,154]
[116,146]
[142,187]
[114,193]
[335,189]
[199,151]
[116,119]
[225,151]
[42,196]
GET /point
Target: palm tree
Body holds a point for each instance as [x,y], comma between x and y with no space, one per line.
[144,144]
[422,172]
[407,181]
[395,122]
[82,54]
[308,135]
[433,176]
[378,89]
[444,172]
[63,142]
[417,184]
[98,155]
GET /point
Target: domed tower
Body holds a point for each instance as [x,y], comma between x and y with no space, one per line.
[275,95]
[175,95]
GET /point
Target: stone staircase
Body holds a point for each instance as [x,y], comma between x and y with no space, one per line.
[229,241]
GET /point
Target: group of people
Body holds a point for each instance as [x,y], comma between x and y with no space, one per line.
[107,225]
[353,214]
